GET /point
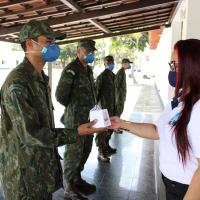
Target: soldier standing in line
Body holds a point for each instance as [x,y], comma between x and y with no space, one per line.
[30,167]
[120,82]
[76,92]
[105,87]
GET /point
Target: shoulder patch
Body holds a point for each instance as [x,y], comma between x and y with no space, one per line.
[70,71]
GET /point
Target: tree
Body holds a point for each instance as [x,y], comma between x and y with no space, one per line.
[67,54]
[128,46]
[16,47]
[123,44]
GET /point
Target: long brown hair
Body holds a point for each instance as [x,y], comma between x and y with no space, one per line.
[188,81]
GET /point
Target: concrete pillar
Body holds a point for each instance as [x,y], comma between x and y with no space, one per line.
[192,19]
[50,66]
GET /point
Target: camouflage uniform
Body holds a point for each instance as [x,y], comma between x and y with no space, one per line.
[30,168]
[105,87]
[120,81]
[76,92]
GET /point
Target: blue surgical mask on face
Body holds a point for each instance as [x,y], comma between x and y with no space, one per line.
[111,66]
[129,66]
[172,78]
[89,58]
[50,53]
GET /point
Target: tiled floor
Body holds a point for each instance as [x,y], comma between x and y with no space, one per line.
[130,174]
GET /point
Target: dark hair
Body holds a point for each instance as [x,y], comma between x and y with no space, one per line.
[23,45]
[109,59]
[188,81]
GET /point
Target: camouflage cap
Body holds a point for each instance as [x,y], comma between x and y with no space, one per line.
[87,44]
[126,60]
[109,59]
[36,28]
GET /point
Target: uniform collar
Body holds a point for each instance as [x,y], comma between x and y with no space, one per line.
[80,64]
[33,73]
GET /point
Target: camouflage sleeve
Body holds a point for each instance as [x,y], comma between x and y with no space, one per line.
[63,89]
[98,85]
[26,122]
[118,79]
[65,136]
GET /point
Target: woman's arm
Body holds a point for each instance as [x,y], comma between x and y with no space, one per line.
[144,130]
[193,192]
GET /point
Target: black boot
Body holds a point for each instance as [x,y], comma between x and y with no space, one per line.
[111,150]
[72,192]
[85,187]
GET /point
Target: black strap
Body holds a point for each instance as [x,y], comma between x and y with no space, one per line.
[91,86]
[174,102]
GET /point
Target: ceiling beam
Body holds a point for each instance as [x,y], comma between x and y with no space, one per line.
[134,7]
[13,3]
[21,12]
[55,13]
[117,34]
[75,7]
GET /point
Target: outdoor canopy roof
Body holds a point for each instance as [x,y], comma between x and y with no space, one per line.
[86,18]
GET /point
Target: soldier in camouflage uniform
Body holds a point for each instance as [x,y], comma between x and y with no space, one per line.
[30,167]
[76,92]
[105,87]
[120,81]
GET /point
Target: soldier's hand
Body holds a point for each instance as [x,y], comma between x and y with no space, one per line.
[86,129]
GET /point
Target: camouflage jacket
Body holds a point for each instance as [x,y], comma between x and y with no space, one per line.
[76,92]
[30,166]
[105,87]
[120,81]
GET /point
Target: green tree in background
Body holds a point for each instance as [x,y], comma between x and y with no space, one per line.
[128,45]
[67,54]
[16,47]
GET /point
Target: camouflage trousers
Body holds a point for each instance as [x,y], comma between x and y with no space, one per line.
[76,156]
[102,140]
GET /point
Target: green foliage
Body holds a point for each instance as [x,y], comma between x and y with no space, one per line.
[68,53]
[16,47]
[128,45]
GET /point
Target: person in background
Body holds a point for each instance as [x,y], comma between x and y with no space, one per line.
[178,126]
[76,92]
[105,87]
[120,81]
[30,165]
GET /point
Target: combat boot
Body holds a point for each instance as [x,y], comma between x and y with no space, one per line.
[111,150]
[85,187]
[72,193]
[102,156]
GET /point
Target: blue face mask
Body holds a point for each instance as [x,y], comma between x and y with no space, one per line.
[129,66]
[89,58]
[50,53]
[172,78]
[111,66]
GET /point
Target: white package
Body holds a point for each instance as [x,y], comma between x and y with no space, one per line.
[102,117]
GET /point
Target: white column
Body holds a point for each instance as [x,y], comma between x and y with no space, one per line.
[50,66]
[192,19]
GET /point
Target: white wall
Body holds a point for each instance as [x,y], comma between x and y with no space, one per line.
[162,56]
[185,25]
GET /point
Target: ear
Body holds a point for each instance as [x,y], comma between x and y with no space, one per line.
[29,44]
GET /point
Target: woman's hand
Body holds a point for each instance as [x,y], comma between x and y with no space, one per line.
[87,129]
[116,123]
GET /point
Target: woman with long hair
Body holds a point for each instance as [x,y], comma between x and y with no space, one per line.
[178,126]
